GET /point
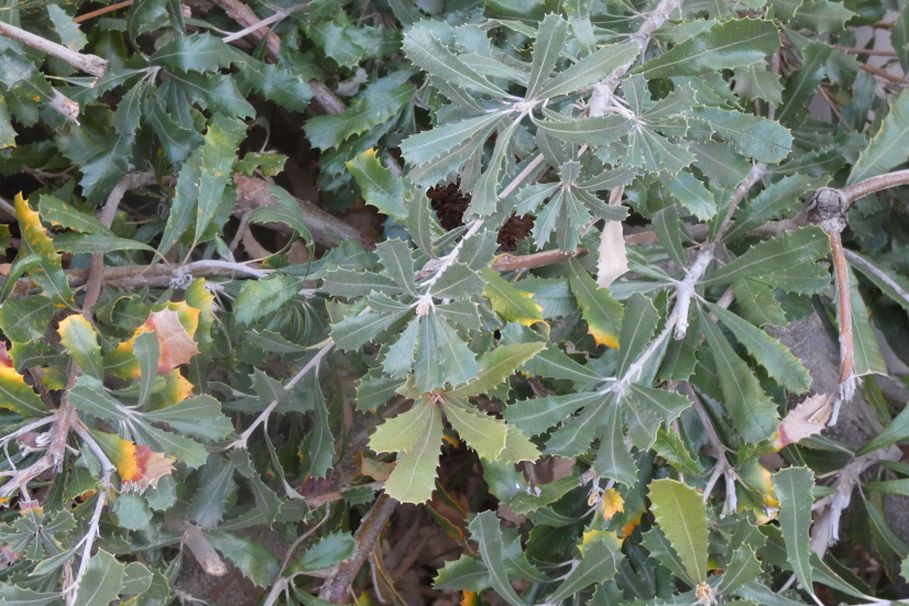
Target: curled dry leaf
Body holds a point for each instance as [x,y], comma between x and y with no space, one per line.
[612,259]
[807,419]
[138,466]
[175,344]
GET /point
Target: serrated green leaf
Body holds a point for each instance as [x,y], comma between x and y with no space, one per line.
[413,478]
[395,255]
[726,45]
[743,568]
[777,199]
[518,447]
[599,130]
[59,213]
[485,434]
[638,325]
[102,581]
[548,46]
[67,30]
[203,180]
[198,416]
[147,352]
[187,451]
[402,432]
[896,430]
[757,304]
[693,195]
[216,483]
[538,415]
[132,512]
[285,210]
[430,55]
[775,259]
[377,105]
[755,136]
[355,330]
[259,298]
[49,274]
[442,357]
[793,489]
[886,149]
[589,70]
[485,530]
[509,301]
[496,366]
[399,356]
[285,87]
[7,132]
[598,564]
[867,353]
[92,243]
[682,517]
[197,52]
[614,460]
[602,313]
[803,83]
[420,148]
[648,408]
[330,551]
[753,412]
[380,188]
[775,357]
[254,560]
[80,339]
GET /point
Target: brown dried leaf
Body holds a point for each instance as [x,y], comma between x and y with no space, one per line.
[807,419]
[175,344]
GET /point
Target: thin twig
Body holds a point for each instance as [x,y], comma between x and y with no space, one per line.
[337,586]
[90,64]
[754,175]
[872,52]
[107,468]
[312,365]
[884,74]
[202,550]
[722,466]
[509,262]
[108,212]
[246,17]
[847,378]
[102,11]
[880,274]
[853,192]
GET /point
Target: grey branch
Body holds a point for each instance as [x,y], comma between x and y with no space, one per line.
[90,64]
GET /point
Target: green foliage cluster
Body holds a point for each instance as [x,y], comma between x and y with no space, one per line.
[169,388]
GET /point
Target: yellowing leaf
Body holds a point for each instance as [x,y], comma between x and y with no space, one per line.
[138,466]
[592,536]
[510,302]
[612,503]
[174,341]
[602,313]
[80,339]
[198,296]
[49,273]
[173,329]
[759,479]
[17,396]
